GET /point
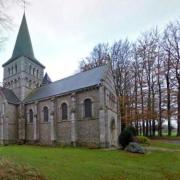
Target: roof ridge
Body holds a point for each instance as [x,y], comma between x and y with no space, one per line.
[74,82]
[76,74]
[80,73]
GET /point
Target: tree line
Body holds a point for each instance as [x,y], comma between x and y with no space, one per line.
[147,78]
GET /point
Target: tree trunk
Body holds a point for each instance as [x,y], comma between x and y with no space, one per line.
[160,101]
[142,111]
[147,128]
[178,119]
[168,104]
[150,127]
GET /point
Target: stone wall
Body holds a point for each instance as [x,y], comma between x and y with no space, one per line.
[3,105]
[64,132]
[12,123]
[8,121]
[86,130]
[108,119]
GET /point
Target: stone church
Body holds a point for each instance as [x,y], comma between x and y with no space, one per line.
[77,110]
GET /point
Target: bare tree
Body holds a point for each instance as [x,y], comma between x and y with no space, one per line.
[98,57]
[120,58]
[172,34]
[159,87]
[167,66]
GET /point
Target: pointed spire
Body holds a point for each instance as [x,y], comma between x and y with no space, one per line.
[23,45]
[46,80]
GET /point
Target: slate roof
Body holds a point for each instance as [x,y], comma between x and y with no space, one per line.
[76,82]
[46,80]
[10,96]
[23,45]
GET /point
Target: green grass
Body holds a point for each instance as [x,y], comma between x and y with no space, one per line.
[165,144]
[81,163]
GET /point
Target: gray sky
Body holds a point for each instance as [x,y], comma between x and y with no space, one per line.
[65,31]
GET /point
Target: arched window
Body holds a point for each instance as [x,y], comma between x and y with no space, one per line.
[46,114]
[12,70]
[88,108]
[112,124]
[30,115]
[64,111]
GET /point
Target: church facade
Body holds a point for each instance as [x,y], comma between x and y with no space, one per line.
[77,110]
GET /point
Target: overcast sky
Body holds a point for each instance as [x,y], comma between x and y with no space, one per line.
[65,31]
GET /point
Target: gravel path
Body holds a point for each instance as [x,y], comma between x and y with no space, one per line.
[162,149]
[174,142]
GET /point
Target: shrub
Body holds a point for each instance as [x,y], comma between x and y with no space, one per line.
[126,136]
[143,140]
[132,130]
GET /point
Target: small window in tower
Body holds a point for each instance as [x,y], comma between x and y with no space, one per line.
[12,84]
[12,70]
[33,71]
[15,68]
[30,83]
[15,83]
[9,71]
[30,115]
[37,73]
[30,69]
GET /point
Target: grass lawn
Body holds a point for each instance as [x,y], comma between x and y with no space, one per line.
[81,163]
[165,144]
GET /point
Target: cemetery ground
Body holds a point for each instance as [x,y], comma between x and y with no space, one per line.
[162,161]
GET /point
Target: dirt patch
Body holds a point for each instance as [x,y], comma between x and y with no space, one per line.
[12,171]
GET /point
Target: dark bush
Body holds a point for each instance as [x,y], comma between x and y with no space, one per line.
[127,136]
[132,129]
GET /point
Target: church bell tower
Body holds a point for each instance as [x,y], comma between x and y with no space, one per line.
[23,72]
